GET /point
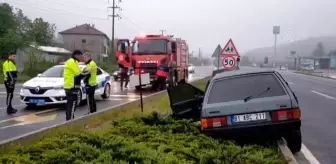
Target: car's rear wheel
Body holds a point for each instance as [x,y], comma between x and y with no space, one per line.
[294,141]
[107,91]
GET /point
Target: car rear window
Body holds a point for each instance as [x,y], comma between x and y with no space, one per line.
[240,87]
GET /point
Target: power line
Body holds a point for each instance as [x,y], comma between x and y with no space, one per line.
[48,9]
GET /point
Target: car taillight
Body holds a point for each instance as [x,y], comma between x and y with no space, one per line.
[289,114]
[213,122]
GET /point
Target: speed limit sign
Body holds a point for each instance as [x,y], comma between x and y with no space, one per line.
[228,62]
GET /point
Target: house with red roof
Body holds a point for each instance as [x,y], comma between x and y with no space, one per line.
[87,37]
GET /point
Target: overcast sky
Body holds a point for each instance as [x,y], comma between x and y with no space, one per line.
[203,23]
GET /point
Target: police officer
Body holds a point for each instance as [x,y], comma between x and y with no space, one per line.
[72,78]
[10,76]
[90,81]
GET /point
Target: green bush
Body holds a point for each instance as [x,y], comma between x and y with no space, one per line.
[142,140]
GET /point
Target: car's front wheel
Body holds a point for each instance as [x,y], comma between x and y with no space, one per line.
[107,91]
[294,141]
[79,98]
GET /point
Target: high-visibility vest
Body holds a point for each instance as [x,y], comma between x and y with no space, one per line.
[9,70]
[71,71]
[91,79]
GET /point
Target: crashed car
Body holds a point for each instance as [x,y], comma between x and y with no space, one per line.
[47,87]
[242,104]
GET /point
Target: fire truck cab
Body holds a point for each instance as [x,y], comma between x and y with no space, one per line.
[148,52]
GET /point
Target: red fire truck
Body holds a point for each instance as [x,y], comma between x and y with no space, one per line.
[148,52]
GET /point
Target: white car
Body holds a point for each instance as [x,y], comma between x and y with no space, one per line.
[191,68]
[47,87]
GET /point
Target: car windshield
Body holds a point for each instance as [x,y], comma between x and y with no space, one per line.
[53,72]
[238,88]
[149,47]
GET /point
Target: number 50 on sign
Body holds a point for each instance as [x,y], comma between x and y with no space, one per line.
[228,62]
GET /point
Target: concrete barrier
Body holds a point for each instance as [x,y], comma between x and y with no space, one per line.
[77,123]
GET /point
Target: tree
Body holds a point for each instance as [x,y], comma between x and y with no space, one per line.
[319,50]
[7,19]
[41,32]
[23,24]
[9,40]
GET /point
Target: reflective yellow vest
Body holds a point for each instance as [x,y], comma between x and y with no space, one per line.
[71,71]
[92,68]
[9,68]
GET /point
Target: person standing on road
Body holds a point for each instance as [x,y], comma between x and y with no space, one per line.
[10,76]
[72,79]
[123,62]
[90,81]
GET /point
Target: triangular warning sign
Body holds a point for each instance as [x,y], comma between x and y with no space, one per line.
[230,49]
[217,51]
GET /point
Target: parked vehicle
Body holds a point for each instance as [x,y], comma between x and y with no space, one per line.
[242,103]
[149,52]
[47,87]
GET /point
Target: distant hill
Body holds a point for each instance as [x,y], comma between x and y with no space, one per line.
[302,47]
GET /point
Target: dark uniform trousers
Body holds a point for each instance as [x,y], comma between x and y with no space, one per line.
[10,87]
[72,98]
[71,105]
[90,92]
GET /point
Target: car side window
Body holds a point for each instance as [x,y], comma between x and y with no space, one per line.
[99,71]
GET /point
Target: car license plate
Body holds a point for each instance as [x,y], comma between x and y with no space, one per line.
[37,101]
[249,117]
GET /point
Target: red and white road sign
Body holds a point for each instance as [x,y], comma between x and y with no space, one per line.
[230,49]
[229,55]
[229,62]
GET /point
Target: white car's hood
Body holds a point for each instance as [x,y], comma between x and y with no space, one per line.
[44,82]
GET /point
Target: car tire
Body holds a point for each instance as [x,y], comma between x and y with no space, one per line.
[80,102]
[294,141]
[107,91]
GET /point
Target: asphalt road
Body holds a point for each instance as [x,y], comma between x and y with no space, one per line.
[317,98]
[28,120]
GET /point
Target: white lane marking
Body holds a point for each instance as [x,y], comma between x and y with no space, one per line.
[309,156]
[315,80]
[290,83]
[129,95]
[321,94]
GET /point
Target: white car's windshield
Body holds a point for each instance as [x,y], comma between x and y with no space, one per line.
[53,72]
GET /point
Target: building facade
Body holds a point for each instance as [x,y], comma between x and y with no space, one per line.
[87,37]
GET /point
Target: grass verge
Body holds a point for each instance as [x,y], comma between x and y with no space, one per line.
[119,137]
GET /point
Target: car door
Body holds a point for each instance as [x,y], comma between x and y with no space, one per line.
[100,81]
[185,101]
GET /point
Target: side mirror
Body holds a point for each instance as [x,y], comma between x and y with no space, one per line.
[38,75]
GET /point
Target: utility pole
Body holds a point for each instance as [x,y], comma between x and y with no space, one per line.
[113,7]
[162,31]
[276,32]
